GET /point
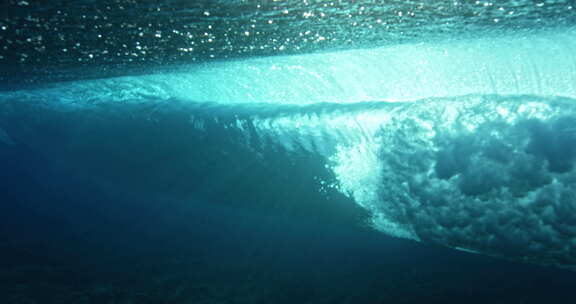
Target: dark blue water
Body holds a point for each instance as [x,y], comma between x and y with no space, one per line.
[403,152]
[67,242]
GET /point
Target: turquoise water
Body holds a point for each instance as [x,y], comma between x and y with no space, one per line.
[283,151]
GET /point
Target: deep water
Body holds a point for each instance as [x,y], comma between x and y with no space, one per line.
[67,242]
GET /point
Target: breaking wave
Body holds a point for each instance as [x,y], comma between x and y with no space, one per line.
[485,173]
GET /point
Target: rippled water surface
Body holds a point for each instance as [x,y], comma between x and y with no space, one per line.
[61,40]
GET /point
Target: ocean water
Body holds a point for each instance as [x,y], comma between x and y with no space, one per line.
[287,151]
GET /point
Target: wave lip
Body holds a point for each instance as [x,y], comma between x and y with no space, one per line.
[527,63]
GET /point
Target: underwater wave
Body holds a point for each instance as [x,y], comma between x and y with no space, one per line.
[485,173]
[468,144]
